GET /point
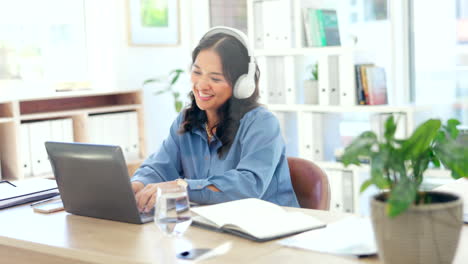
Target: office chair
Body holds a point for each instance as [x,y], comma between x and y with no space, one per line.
[310,184]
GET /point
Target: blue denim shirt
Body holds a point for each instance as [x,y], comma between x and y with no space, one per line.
[255,166]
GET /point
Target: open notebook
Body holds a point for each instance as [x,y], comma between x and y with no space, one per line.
[254,219]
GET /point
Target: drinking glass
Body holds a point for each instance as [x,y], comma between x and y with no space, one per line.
[172,210]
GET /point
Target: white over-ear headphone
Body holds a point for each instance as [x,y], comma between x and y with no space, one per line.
[245,84]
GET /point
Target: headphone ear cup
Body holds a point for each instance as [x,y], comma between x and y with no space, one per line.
[244,87]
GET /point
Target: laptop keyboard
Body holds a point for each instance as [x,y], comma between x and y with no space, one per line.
[146,217]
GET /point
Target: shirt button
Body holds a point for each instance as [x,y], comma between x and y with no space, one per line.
[206,157]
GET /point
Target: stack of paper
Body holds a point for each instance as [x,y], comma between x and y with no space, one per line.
[350,236]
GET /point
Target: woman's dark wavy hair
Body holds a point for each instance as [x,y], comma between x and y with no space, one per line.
[235,61]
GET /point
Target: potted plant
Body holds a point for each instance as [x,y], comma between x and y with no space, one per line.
[171,79]
[311,85]
[411,225]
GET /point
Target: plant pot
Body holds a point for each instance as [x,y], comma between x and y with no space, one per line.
[427,233]
[311,92]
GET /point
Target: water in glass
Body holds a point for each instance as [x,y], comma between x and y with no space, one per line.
[172,210]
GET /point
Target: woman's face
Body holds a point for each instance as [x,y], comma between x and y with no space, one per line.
[210,88]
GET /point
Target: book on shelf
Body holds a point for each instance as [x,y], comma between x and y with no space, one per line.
[371,84]
[253,219]
[329,24]
[376,86]
[361,96]
[321,27]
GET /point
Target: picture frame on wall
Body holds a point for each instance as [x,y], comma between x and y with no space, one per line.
[153,22]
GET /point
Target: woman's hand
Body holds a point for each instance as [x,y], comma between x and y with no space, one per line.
[137,186]
[146,197]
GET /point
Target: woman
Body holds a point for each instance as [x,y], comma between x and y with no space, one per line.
[223,147]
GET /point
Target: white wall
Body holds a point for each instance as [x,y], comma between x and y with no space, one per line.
[115,64]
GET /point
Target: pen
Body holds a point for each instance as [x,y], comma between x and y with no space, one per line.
[44,201]
[8,183]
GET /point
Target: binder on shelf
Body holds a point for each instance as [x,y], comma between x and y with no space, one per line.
[289,80]
[347,88]
[328,77]
[323,81]
[25,150]
[56,130]
[67,128]
[96,129]
[347,182]
[342,190]
[132,137]
[119,129]
[334,79]
[276,31]
[336,190]
[311,136]
[258,24]
[275,79]
[39,133]
[263,81]
[269,16]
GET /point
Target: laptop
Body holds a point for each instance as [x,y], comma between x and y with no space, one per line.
[93,181]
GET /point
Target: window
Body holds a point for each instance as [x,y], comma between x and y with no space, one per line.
[42,40]
[441,56]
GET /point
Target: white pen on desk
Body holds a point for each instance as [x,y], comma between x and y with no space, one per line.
[45,201]
[219,250]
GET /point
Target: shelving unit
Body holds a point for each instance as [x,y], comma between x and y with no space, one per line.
[313,131]
[77,106]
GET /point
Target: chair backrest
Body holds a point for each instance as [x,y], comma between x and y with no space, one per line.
[310,184]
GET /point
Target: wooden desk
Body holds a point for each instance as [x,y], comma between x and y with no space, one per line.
[28,237]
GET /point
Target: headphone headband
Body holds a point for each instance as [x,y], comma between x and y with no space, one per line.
[239,35]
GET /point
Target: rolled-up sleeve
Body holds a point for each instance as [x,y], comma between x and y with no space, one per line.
[163,165]
[261,147]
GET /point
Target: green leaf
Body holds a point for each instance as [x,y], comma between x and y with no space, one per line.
[421,139]
[390,128]
[420,165]
[177,73]
[453,156]
[365,185]
[378,169]
[151,81]
[178,106]
[401,197]
[451,128]
[440,137]
[433,158]
[160,92]
[361,146]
